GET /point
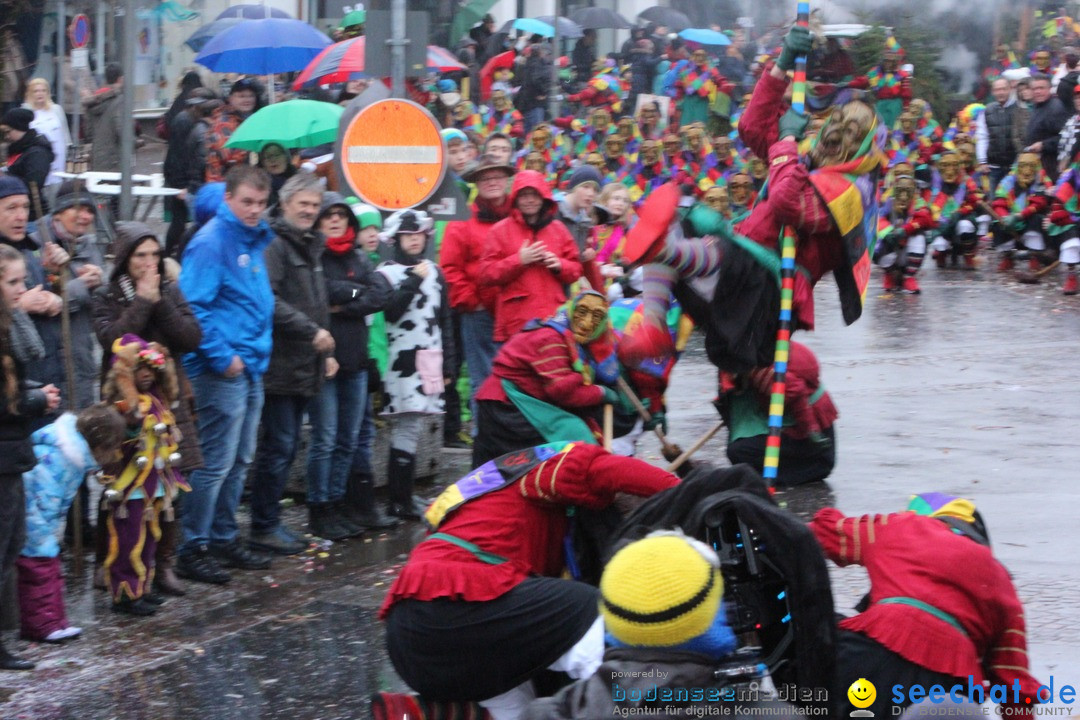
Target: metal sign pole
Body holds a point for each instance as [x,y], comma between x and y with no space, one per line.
[553,102]
[397,44]
[127,127]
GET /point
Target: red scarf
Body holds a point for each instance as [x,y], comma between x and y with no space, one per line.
[343,244]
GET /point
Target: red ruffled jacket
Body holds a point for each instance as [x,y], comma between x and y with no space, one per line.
[792,199]
[524,522]
[919,557]
[538,362]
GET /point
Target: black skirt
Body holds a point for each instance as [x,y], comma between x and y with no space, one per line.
[459,650]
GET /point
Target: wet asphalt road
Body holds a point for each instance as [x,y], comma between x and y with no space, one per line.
[969,388]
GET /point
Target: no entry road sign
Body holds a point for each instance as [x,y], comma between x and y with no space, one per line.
[79,31]
[393,155]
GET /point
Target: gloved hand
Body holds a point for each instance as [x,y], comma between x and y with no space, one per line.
[657,420]
[1061,216]
[896,239]
[797,42]
[793,123]
[611,396]
[821,441]
[913,227]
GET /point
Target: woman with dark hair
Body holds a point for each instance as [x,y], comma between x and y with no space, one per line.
[20,402]
[277,161]
[143,298]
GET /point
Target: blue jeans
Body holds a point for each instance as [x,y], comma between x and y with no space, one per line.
[228,418]
[364,456]
[476,331]
[282,418]
[335,415]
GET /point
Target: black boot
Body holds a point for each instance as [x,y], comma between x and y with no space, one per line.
[340,511]
[401,471]
[360,504]
[322,523]
[13,662]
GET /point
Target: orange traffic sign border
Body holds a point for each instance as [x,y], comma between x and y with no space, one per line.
[392,154]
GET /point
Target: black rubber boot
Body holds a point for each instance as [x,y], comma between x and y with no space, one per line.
[402,470]
[323,523]
[360,504]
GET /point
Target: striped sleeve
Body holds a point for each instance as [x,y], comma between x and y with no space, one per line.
[846,539]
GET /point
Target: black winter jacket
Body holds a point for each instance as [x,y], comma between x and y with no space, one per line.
[16,450]
[32,155]
[356,291]
[1044,125]
[301,308]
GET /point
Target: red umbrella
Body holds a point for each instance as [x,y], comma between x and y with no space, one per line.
[502,61]
[344,61]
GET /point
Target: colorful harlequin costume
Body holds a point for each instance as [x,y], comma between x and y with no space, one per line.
[604,89]
[501,117]
[699,165]
[144,482]
[890,84]
[699,85]
[917,134]
[729,285]
[957,204]
[649,173]
[903,223]
[1021,201]
[941,607]
[1064,217]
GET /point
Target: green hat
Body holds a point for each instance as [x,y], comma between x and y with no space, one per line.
[367,215]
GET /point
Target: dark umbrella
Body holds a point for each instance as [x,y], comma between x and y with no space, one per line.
[252,12]
[671,19]
[209,31]
[594,18]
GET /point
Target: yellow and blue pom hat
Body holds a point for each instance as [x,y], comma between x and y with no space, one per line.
[662,591]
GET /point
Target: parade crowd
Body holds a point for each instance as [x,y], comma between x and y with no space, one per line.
[545,324]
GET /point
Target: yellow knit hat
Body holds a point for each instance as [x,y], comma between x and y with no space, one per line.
[662,590]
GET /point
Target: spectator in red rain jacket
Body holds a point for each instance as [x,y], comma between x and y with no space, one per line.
[529,257]
[462,246]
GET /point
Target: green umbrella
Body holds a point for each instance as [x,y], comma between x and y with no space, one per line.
[291,124]
[354,17]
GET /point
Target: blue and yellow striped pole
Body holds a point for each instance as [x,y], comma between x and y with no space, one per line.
[787,291]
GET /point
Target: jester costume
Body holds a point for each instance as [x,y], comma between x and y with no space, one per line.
[1064,218]
[142,484]
[729,283]
[903,222]
[549,381]
[502,117]
[1021,201]
[917,134]
[890,85]
[699,165]
[605,89]
[649,173]
[699,87]
[956,203]
[544,146]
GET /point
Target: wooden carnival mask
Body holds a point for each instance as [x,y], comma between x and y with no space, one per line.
[739,187]
[650,152]
[717,198]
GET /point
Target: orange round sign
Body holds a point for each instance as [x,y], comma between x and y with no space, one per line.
[393,155]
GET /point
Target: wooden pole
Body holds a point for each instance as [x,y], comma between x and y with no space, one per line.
[677,462]
[609,425]
[625,389]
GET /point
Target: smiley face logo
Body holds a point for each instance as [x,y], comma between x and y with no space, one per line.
[862,693]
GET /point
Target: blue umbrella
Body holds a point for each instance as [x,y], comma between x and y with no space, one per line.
[209,31]
[263,47]
[533,27]
[252,12]
[705,36]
